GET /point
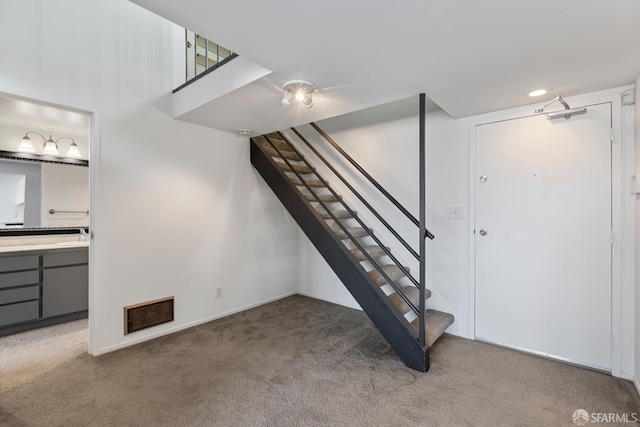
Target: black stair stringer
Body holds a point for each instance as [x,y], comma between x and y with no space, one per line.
[392,325]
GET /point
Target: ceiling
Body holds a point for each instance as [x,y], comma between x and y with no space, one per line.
[38,116]
[470,57]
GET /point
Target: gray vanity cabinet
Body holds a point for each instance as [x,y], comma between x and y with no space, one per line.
[19,289]
[65,290]
[41,289]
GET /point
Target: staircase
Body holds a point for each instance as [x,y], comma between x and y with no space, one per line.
[390,300]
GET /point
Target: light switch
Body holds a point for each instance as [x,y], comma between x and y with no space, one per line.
[454,212]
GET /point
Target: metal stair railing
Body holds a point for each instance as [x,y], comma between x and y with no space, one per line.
[420,223]
[343,227]
[372,180]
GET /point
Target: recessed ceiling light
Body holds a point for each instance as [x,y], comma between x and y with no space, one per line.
[538,92]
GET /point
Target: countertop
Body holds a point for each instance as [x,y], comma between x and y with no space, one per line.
[21,249]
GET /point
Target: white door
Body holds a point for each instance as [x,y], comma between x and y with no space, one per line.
[543,235]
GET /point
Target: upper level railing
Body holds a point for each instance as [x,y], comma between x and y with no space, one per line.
[201,57]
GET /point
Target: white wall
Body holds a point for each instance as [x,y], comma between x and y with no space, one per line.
[637,239]
[64,188]
[384,140]
[177,209]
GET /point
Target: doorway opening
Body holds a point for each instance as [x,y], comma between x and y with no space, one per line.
[45,224]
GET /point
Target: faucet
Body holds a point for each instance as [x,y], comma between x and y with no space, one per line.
[83,235]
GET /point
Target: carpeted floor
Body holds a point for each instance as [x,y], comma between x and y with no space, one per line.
[297,362]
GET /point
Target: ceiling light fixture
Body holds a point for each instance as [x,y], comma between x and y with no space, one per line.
[26,146]
[539,92]
[49,147]
[302,90]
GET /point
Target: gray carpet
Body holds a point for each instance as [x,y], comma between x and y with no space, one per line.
[303,362]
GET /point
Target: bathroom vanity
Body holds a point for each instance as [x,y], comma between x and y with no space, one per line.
[42,285]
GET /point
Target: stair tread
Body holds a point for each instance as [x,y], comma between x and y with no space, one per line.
[340,214]
[281,144]
[289,155]
[312,182]
[354,231]
[374,251]
[412,293]
[330,198]
[391,270]
[436,322]
[299,168]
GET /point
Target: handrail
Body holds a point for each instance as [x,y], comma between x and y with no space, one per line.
[372,180]
[352,213]
[355,192]
[342,226]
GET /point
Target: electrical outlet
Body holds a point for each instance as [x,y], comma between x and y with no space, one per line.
[219,292]
[454,212]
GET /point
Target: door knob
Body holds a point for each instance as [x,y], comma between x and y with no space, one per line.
[483,232]
[483,178]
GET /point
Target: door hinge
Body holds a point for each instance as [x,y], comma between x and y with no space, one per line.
[612,237]
[611,135]
[612,340]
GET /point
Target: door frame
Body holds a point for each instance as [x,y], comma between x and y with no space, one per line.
[614,97]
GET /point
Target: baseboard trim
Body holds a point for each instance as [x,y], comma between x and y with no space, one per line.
[636,382]
[182,327]
[331,300]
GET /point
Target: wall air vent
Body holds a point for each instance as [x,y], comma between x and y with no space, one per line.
[147,314]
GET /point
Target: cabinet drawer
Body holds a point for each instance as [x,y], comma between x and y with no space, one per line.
[17,313]
[13,263]
[20,294]
[17,279]
[65,290]
[80,256]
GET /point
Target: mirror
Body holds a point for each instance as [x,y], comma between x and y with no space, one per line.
[38,190]
[12,198]
[43,195]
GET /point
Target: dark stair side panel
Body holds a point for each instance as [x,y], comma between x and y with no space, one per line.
[375,304]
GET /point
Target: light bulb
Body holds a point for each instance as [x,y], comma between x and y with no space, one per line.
[73,150]
[287,98]
[300,95]
[50,147]
[26,146]
[537,92]
[308,101]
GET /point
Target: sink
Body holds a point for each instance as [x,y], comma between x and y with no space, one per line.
[73,243]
